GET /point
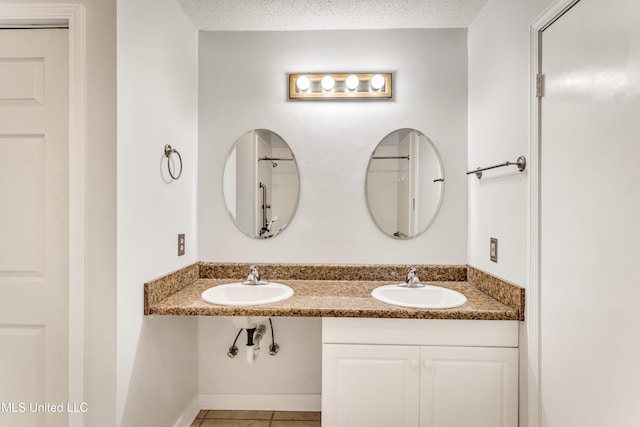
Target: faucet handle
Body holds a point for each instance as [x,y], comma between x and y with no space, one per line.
[254,276]
[412,279]
[411,275]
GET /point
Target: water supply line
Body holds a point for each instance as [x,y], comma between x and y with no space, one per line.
[233,350]
[273,348]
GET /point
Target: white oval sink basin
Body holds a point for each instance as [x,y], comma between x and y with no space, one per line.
[243,295]
[428,296]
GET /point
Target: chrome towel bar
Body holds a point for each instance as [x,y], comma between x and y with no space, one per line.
[521,163]
[390,157]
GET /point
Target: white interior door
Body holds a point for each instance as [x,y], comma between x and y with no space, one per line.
[34,227]
[590,217]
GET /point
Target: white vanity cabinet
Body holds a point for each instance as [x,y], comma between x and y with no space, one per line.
[427,373]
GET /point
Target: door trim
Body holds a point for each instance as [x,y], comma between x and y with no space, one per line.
[73,15]
[543,21]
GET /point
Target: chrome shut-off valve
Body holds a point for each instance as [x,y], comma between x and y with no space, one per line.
[233,352]
[274,349]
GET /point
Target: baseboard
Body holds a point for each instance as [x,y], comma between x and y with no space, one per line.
[274,402]
[189,414]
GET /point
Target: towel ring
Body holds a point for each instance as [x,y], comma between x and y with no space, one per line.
[168,151]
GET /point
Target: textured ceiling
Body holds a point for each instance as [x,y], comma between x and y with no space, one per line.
[282,15]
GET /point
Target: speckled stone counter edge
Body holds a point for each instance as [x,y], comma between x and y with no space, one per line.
[426,273]
[505,292]
[165,286]
[158,289]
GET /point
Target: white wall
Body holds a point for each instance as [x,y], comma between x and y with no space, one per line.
[243,86]
[100,226]
[499,116]
[157,104]
[499,88]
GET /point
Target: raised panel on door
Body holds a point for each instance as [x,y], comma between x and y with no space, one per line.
[469,386]
[370,385]
[22,186]
[23,383]
[21,81]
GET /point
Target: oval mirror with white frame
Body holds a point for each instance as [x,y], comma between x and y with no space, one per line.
[261,184]
[404,183]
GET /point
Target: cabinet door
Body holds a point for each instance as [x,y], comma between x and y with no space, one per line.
[370,385]
[469,386]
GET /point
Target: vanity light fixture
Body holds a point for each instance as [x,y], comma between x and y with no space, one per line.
[332,86]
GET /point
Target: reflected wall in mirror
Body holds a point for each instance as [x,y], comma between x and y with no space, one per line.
[261,184]
[404,183]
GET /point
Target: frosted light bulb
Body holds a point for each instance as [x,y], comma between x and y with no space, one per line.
[352,82]
[327,83]
[303,83]
[377,82]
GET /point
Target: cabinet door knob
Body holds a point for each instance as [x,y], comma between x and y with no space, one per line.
[413,364]
[428,364]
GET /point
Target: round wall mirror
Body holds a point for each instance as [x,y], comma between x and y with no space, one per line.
[404,184]
[261,184]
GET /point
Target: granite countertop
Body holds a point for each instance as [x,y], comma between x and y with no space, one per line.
[178,294]
[315,298]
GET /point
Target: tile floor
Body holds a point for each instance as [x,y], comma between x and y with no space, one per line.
[256,419]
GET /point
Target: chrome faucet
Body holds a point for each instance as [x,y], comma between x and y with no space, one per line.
[412,280]
[254,277]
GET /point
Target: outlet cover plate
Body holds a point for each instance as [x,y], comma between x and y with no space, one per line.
[180,244]
[493,249]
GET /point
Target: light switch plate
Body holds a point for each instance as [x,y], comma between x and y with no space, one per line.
[493,249]
[180,244]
